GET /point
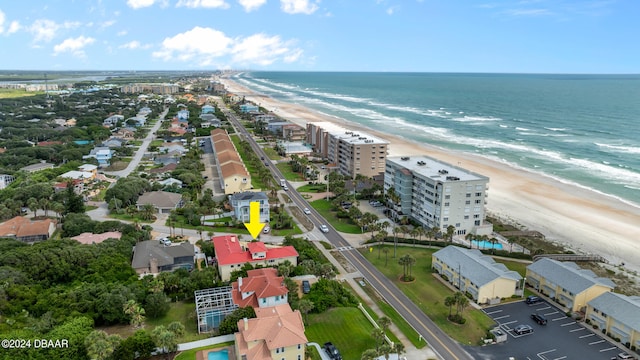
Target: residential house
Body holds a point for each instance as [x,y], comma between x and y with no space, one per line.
[93,169]
[136,121]
[215,123]
[162,201]
[27,230]
[5,180]
[172,148]
[102,154]
[78,186]
[208,109]
[171,182]
[166,159]
[566,283]
[112,120]
[261,288]
[183,115]
[240,203]
[277,333]
[113,142]
[248,107]
[617,315]
[85,176]
[265,118]
[125,134]
[294,132]
[144,111]
[152,257]
[437,194]
[42,165]
[91,238]
[231,254]
[476,274]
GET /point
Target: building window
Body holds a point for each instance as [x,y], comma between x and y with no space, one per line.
[468,195]
[478,201]
[446,204]
[447,197]
[478,194]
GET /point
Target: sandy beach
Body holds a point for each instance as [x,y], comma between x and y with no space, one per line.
[580,219]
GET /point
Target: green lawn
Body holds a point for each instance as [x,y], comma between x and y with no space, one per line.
[271,153]
[15,93]
[157,142]
[346,328]
[428,293]
[288,174]
[341,224]
[313,188]
[184,313]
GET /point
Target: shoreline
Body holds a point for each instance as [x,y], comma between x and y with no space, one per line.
[581,219]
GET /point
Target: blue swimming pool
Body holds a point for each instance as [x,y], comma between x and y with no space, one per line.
[218,355]
[485,245]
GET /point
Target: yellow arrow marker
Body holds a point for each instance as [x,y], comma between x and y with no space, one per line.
[254,225]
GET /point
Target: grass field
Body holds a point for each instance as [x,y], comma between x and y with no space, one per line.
[313,188]
[428,293]
[341,224]
[184,313]
[288,174]
[271,153]
[16,93]
[345,327]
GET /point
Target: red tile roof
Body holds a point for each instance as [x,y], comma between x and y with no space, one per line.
[261,283]
[228,251]
[256,246]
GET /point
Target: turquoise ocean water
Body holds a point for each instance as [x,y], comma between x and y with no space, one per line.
[578,129]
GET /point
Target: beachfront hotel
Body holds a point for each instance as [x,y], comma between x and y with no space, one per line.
[353,152]
[437,194]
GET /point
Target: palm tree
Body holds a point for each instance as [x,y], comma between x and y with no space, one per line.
[461,302]
[385,349]
[386,255]
[384,323]
[136,312]
[398,348]
[378,336]
[32,204]
[449,301]
[414,234]
[101,345]
[469,237]
[147,211]
[450,231]
[396,230]
[407,261]
[369,354]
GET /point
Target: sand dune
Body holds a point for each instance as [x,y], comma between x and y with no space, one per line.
[582,220]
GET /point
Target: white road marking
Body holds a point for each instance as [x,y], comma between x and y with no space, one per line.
[501,317]
[608,349]
[567,324]
[551,313]
[509,322]
[560,318]
[493,312]
[585,336]
[560,358]
[578,329]
[544,352]
[596,342]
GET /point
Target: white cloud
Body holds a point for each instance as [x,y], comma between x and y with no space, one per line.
[529,12]
[46,30]
[107,24]
[250,5]
[135,44]
[14,27]
[298,6]
[391,10]
[205,46]
[197,42]
[138,4]
[73,45]
[203,4]
[2,18]
[122,33]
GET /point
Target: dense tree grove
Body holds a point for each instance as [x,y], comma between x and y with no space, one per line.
[326,294]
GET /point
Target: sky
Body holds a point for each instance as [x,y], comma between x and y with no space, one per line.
[528,36]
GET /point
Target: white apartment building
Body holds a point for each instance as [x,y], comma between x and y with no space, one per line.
[437,194]
[352,152]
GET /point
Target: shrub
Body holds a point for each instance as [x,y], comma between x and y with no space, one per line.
[588,321]
[458,319]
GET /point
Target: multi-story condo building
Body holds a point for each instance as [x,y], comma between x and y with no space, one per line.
[352,152]
[437,194]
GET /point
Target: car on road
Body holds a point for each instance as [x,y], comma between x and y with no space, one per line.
[523,329]
[324,228]
[306,287]
[266,229]
[306,211]
[533,300]
[165,241]
[285,188]
[334,354]
[539,319]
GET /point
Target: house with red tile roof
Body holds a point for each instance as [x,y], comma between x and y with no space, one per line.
[234,176]
[27,230]
[91,238]
[261,288]
[231,254]
[276,333]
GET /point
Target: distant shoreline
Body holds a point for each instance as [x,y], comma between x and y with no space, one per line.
[581,219]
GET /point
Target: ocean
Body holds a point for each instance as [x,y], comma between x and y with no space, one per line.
[579,129]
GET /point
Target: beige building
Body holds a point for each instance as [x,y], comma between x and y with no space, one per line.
[617,315]
[353,152]
[477,274]
[234,176]
[566,283]
[277,333]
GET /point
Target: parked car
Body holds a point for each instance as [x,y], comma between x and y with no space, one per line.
[306,211]
[334,354]
[623,356]
[266,229]
[522,329]
[539,319]
[306,287]
[165,241]
[324,228]
[533,300]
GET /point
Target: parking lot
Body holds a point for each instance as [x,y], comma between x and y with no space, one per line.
[561,338]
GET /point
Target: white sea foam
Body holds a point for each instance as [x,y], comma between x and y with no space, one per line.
[620,148]
[503,126]
[522,129]
[476,119]
[555,129]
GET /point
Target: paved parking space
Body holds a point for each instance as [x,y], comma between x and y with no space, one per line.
[561,338]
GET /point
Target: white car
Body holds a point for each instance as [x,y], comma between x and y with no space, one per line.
[306,211]
[324,228]
[165,241]
[266,229]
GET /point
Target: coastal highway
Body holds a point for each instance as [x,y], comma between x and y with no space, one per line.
[438,341]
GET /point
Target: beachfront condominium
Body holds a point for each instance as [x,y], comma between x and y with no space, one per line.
[437,194]
[352,152]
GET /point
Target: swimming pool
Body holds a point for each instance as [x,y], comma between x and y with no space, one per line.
[485,245]
[218,355]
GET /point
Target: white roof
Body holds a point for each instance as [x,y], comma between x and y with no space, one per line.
[77,175]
